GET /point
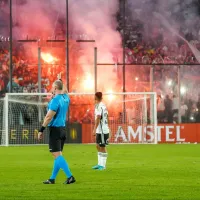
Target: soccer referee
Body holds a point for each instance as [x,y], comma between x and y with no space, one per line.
[55,120]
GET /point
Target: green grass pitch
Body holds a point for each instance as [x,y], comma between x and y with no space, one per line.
[147,172]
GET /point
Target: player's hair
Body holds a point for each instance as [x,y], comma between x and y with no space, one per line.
[58,84]
[98,95]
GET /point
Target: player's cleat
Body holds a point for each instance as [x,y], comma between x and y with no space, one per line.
[101,168]
[70,180]
[96,167]
[49,181]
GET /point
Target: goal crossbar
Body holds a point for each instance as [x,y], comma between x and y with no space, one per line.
[74,94]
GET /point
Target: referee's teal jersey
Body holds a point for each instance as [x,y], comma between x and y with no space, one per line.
[60,105]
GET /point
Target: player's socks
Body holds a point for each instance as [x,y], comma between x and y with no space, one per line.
[64,165]
[99,158]
[99,161]
[104,159]
[55,170]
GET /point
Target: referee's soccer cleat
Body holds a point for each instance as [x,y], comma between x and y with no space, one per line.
[96,167]
[70,180]
[101,168]
[49,181]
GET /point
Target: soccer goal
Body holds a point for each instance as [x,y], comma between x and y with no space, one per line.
[132,117]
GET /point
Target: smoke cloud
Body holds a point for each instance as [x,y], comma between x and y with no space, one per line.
[97,20]
[94,18]
[178,13]
[178,22]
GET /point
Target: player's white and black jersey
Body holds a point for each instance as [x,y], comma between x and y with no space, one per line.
[101,110]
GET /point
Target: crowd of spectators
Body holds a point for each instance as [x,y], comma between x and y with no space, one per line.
[24,75]
[148,41]
[168,109]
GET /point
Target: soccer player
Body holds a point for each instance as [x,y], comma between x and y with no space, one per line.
[101,131]
[55,120]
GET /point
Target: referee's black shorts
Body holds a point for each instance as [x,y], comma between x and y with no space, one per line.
[102,139]
[57,137]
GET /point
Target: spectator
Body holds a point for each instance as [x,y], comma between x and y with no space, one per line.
[198,103]
[130,114]
[161,109]
[183,112]
[175,107]
[2,83]
[168,109]
[15,84]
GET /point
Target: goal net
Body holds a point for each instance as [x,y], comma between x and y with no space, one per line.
[132,118]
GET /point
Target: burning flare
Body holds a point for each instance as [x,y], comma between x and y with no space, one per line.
[48,58]
[89,82]
[110,95]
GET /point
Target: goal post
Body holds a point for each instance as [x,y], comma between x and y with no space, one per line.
[132,117]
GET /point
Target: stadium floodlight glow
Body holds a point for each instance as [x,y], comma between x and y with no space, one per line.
[183,90]
[169,83]
[48,58]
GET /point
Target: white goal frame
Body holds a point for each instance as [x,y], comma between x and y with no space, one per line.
[6,109]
